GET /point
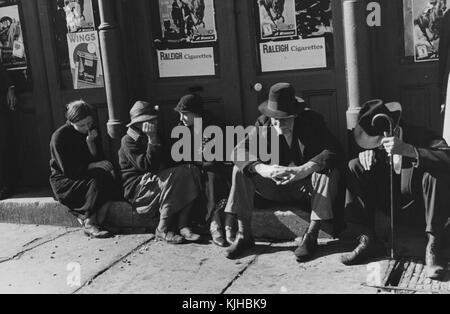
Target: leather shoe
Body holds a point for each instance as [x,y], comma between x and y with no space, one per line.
[217,236]
[239,247]
[434,270]
[189,236]
[95,232]
[230,235]
[307,248]
[369,247]
[169,237]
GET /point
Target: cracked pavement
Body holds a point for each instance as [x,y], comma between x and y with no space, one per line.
[54,260]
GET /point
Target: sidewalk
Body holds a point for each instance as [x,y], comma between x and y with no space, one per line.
[41,259]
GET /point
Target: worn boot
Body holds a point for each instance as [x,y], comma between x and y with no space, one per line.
[242,244]
[434,270]
[369,247]
[230,229]
[216,231]
[307,248]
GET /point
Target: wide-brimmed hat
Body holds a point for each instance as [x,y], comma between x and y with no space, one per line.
[142,112]
[282,102]
[190,103]
[368,133]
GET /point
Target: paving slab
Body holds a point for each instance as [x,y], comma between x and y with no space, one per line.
[277,272]
[163,269]
[64,264]
[16,239]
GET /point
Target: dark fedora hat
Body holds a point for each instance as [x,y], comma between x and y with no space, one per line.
[282,102]
[142,112]
[368,135]
[190,103]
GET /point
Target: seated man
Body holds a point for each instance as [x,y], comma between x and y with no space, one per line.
[422,176]
[308,156]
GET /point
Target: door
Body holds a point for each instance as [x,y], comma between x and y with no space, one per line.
[32,122]
[318,75]
[407,63]
[169,64]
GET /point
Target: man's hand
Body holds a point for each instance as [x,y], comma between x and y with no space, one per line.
[395,146]
[92,136]
[272,172]
[367,159]
[151,130]
[104,165]
[11,99]
[296,174]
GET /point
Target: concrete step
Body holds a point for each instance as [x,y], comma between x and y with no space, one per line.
[281,224]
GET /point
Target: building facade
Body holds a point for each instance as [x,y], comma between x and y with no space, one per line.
[337,53]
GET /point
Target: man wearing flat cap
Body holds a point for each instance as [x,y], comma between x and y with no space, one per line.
[421,162]
[307,167]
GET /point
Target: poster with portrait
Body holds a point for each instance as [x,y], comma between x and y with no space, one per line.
[277,18]
[12,47]
[422,20]
[79,15]
[191,21]
[85,60]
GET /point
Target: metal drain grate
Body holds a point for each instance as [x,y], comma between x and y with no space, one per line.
[409,276]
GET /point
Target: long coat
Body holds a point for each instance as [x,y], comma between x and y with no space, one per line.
[82,190]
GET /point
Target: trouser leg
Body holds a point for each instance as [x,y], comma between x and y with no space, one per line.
[368,190]
[324,192]
[437,202]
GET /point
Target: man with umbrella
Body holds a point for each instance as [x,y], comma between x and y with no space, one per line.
[421,166]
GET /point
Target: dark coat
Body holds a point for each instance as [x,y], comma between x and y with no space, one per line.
[5,83]
[138,158]
[434,155]
[316,143]
[82,190]
[444,56]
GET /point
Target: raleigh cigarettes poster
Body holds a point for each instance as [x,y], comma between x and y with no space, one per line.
[12,48]
[79,15]
[188,21]
[186,62]
[85,60]
[293,55]
[277,19]
[422,24]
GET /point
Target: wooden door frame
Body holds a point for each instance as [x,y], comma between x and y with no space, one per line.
[249,51]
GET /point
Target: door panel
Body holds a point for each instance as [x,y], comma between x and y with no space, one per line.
[321,88]
[221,92]
[415,85]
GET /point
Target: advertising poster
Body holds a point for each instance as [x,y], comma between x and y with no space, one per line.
[314,18]
[85,60]
[186,62]
[277,18]
[79,15]
[423,19]
[293,55]
[12,47]
[190,21]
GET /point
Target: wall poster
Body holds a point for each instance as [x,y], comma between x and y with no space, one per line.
[422,20]
[85,60]
[12,47]
[190,21]
[295,34]
[79,15]
[186,62]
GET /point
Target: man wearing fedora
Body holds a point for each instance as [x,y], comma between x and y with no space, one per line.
[306,167]
[152,183]
[422,176]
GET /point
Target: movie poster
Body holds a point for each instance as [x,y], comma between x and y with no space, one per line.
[85,60]
[79,15]
[277,19]
[422,23]
[12,47]
[190,21]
